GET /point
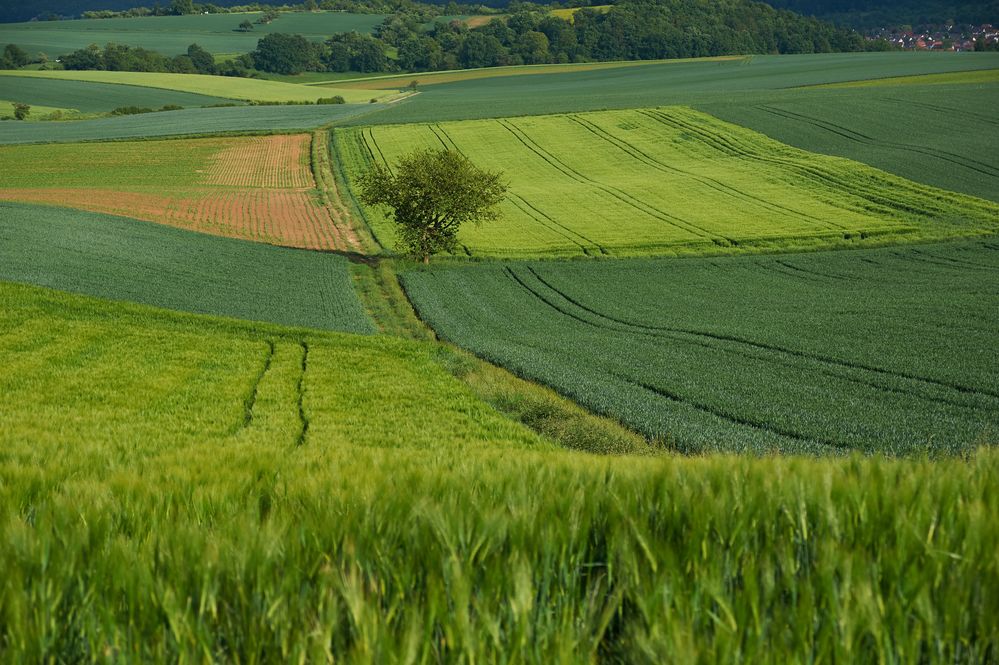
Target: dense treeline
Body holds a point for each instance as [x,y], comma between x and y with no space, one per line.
[122,58]
[866,14]
[633,30]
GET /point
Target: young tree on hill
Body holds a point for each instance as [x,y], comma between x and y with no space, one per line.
[21,111]
[245,26]
[431,194]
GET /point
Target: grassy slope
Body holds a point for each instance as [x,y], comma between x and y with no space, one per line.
[172,35]
[669,181]
[123,259]
[178,481]
[92,97]
[220,86]
[877,350]
[243,119]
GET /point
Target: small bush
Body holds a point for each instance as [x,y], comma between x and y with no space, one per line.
[336,99]
[21,111]
[130,110]
[172,107]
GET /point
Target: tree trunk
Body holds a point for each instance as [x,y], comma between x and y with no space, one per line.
[426,259]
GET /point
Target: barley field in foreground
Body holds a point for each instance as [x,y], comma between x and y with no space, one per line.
[251,493]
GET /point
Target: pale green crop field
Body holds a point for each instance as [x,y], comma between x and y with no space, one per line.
[217,86]
[667,181]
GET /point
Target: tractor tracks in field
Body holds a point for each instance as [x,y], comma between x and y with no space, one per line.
[645,158]
[279,385]
[864,139]
[757,351]
[618,194]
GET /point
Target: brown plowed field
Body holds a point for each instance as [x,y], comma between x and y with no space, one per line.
[255,188]
[277,216]
[263,161]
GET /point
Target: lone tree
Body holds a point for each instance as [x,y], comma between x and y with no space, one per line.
[21,111]
[431,194]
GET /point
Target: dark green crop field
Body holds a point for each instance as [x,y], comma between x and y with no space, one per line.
[94,97]
[675,82]
[224,120]
[123,259]
[882,351]
[172,35]
[941,135]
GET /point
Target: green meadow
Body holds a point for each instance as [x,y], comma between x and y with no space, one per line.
[667,181]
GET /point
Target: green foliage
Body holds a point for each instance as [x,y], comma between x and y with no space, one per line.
[245,26]
[21,111]
[166,267]
[13,57]
[881,351]
[664,181]
[156,507]
[335,99]
[431,193]
[285,54]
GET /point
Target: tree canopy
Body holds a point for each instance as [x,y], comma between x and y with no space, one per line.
[431,194]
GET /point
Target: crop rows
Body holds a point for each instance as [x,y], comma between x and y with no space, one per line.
[266,161]
[668,181]
[882,351]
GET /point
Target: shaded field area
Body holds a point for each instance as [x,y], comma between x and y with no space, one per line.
[666,181]
[667,83]
[125,259]
[90,97]
[228,87]
[171,35]
[254,188]
[942,135]
[881,351]
[261,490]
